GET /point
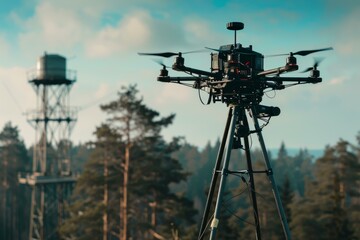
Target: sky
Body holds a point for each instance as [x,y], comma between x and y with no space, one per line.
[101,39]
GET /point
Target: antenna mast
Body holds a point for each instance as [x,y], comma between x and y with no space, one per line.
[235,26]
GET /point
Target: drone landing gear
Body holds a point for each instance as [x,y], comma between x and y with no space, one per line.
[237,128]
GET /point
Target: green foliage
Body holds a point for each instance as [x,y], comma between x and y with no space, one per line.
[153,209]
[15,198]
[295,168]
[329,196]
[287,195]
[87,208]
[321,196]
[79,155]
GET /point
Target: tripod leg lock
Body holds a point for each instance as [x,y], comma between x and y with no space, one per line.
[270,172]
[225,172]
[214,223]
[255,131]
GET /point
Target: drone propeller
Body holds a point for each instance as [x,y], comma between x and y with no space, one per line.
[163,54]
[169,54]
[163,72]
[160,62]
[223,51]
[314,67]
[214,49]
[302,53]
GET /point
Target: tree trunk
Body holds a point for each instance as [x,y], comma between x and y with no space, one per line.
[105,215]
[125,192]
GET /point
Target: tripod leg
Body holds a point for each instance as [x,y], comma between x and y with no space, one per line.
[224,173]
[275,190]
[251,180]
[215,177]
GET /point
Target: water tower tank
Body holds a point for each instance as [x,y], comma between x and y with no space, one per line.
[51,67]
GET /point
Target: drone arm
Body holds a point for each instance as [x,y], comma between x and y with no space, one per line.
[182,68]
[181,79]
[279,70]
[293,79]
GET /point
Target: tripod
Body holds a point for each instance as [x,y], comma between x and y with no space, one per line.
[237,128]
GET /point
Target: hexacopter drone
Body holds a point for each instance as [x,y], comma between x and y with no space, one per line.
[237,78]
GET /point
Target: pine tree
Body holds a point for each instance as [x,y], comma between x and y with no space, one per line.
[305,214]
[138,175]
[324,208]
[287,196]
[79,154]
[135,122]
[301,169]
[14,197]
[91,216]
[282,165]
[354,209]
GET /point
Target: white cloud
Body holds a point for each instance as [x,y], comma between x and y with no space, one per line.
[4,46]
[131,32]
[173,94]
[17,97]
[70,26]
[198,29]
[347,34]
[337,81]
[55,27]
[102,91]
[136,31]
[199,32]
[16,92]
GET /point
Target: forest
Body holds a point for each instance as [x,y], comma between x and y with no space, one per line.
[133,184]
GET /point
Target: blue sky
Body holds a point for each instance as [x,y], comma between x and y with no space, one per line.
[101,40]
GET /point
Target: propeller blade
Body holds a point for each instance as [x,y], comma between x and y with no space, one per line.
[308,69]
[307,52]
[317,62]
[170,54]
[163,54]
[277,55]
[214,49]
[195,51]
[301,53]
[158,61]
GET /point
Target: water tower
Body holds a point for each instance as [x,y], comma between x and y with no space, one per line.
[53,120]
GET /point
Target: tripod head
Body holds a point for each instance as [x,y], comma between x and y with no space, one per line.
[237,74]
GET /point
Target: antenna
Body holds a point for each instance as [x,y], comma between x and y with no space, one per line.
[235,26]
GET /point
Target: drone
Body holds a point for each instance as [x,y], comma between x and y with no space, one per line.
[237,78]
[237,74]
